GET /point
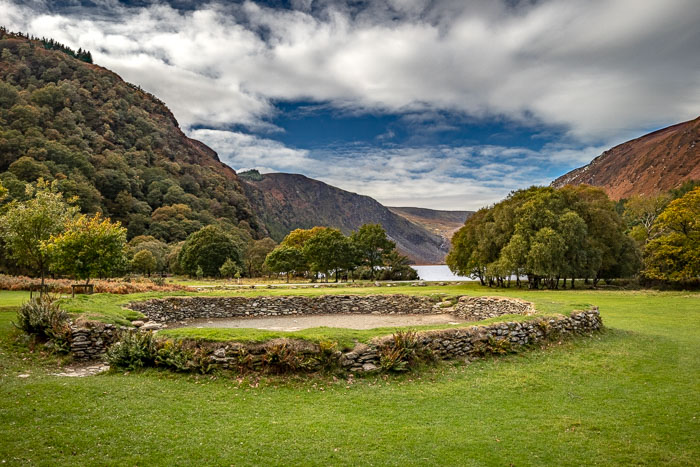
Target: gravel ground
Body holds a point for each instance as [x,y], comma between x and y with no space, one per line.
[294,323]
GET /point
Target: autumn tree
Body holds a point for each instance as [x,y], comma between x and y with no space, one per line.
[89,247]
[674,255]
[26,226]
[144,262]
[641,212]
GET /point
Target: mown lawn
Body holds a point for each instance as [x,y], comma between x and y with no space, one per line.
[628,396]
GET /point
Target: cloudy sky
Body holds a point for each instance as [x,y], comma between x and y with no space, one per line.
[446,104]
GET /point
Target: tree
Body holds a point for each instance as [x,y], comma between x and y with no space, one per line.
[159,250]
[27,225]
[641,212]
[229,269]
[90,246]
[372,245]
[255,255]
[675,254]
[328,251]
[208,249]
[144,262]
[285,259]
[545,234]
[398,268]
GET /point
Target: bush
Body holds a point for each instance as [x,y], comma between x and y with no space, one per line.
[328,356]
[133,351]
[174,355]
[43,318]
[403,352]
[280,358]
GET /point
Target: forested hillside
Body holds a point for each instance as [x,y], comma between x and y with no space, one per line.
[114,146]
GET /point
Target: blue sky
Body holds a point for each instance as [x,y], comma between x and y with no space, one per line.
[447,104]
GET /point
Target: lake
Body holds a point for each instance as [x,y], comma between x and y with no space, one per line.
[438,272]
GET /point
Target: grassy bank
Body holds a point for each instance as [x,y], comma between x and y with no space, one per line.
[627,396]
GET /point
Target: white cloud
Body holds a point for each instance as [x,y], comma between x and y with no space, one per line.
[602,69]
[466,177]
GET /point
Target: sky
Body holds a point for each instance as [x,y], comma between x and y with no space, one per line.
[444,104]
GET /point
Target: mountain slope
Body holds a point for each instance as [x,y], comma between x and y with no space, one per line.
[116,147]
[655,162]
[285,202]
[443,223]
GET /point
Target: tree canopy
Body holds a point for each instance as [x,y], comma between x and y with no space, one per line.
[90,246]
[208,249]
[674,254]
[27,225]
[547,235]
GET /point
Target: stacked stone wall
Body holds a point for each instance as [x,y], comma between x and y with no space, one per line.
[173,309]
[90,340]
[446,344]
[478,308]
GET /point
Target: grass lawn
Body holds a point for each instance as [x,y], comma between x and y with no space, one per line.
[12,298]
[628,396]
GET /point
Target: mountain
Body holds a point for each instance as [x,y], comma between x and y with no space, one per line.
[285,202]
[653,163]
[115,146]
[442,223]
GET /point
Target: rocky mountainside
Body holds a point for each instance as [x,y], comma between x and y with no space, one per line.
[285,202]
[443,223]
[653,163]
[116,147]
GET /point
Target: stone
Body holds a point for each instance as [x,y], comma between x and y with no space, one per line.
[137,324]
[151,326]
[369,367]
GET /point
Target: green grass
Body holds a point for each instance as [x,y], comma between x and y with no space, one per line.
[627,396]
[346,338]
[12,298]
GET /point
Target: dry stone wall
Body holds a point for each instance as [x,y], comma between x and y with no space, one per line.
[90,340]
[478,308]
[172,309]
[445,344]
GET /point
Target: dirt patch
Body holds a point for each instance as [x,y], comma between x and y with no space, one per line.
[79,371]
[349,321]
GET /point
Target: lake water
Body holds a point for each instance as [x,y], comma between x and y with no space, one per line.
[438,272]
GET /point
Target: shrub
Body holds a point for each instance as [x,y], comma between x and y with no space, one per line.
[43,317]
[280,358]
[328,355]
[492,346]
[134,350]
[403,352]
[174,355]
